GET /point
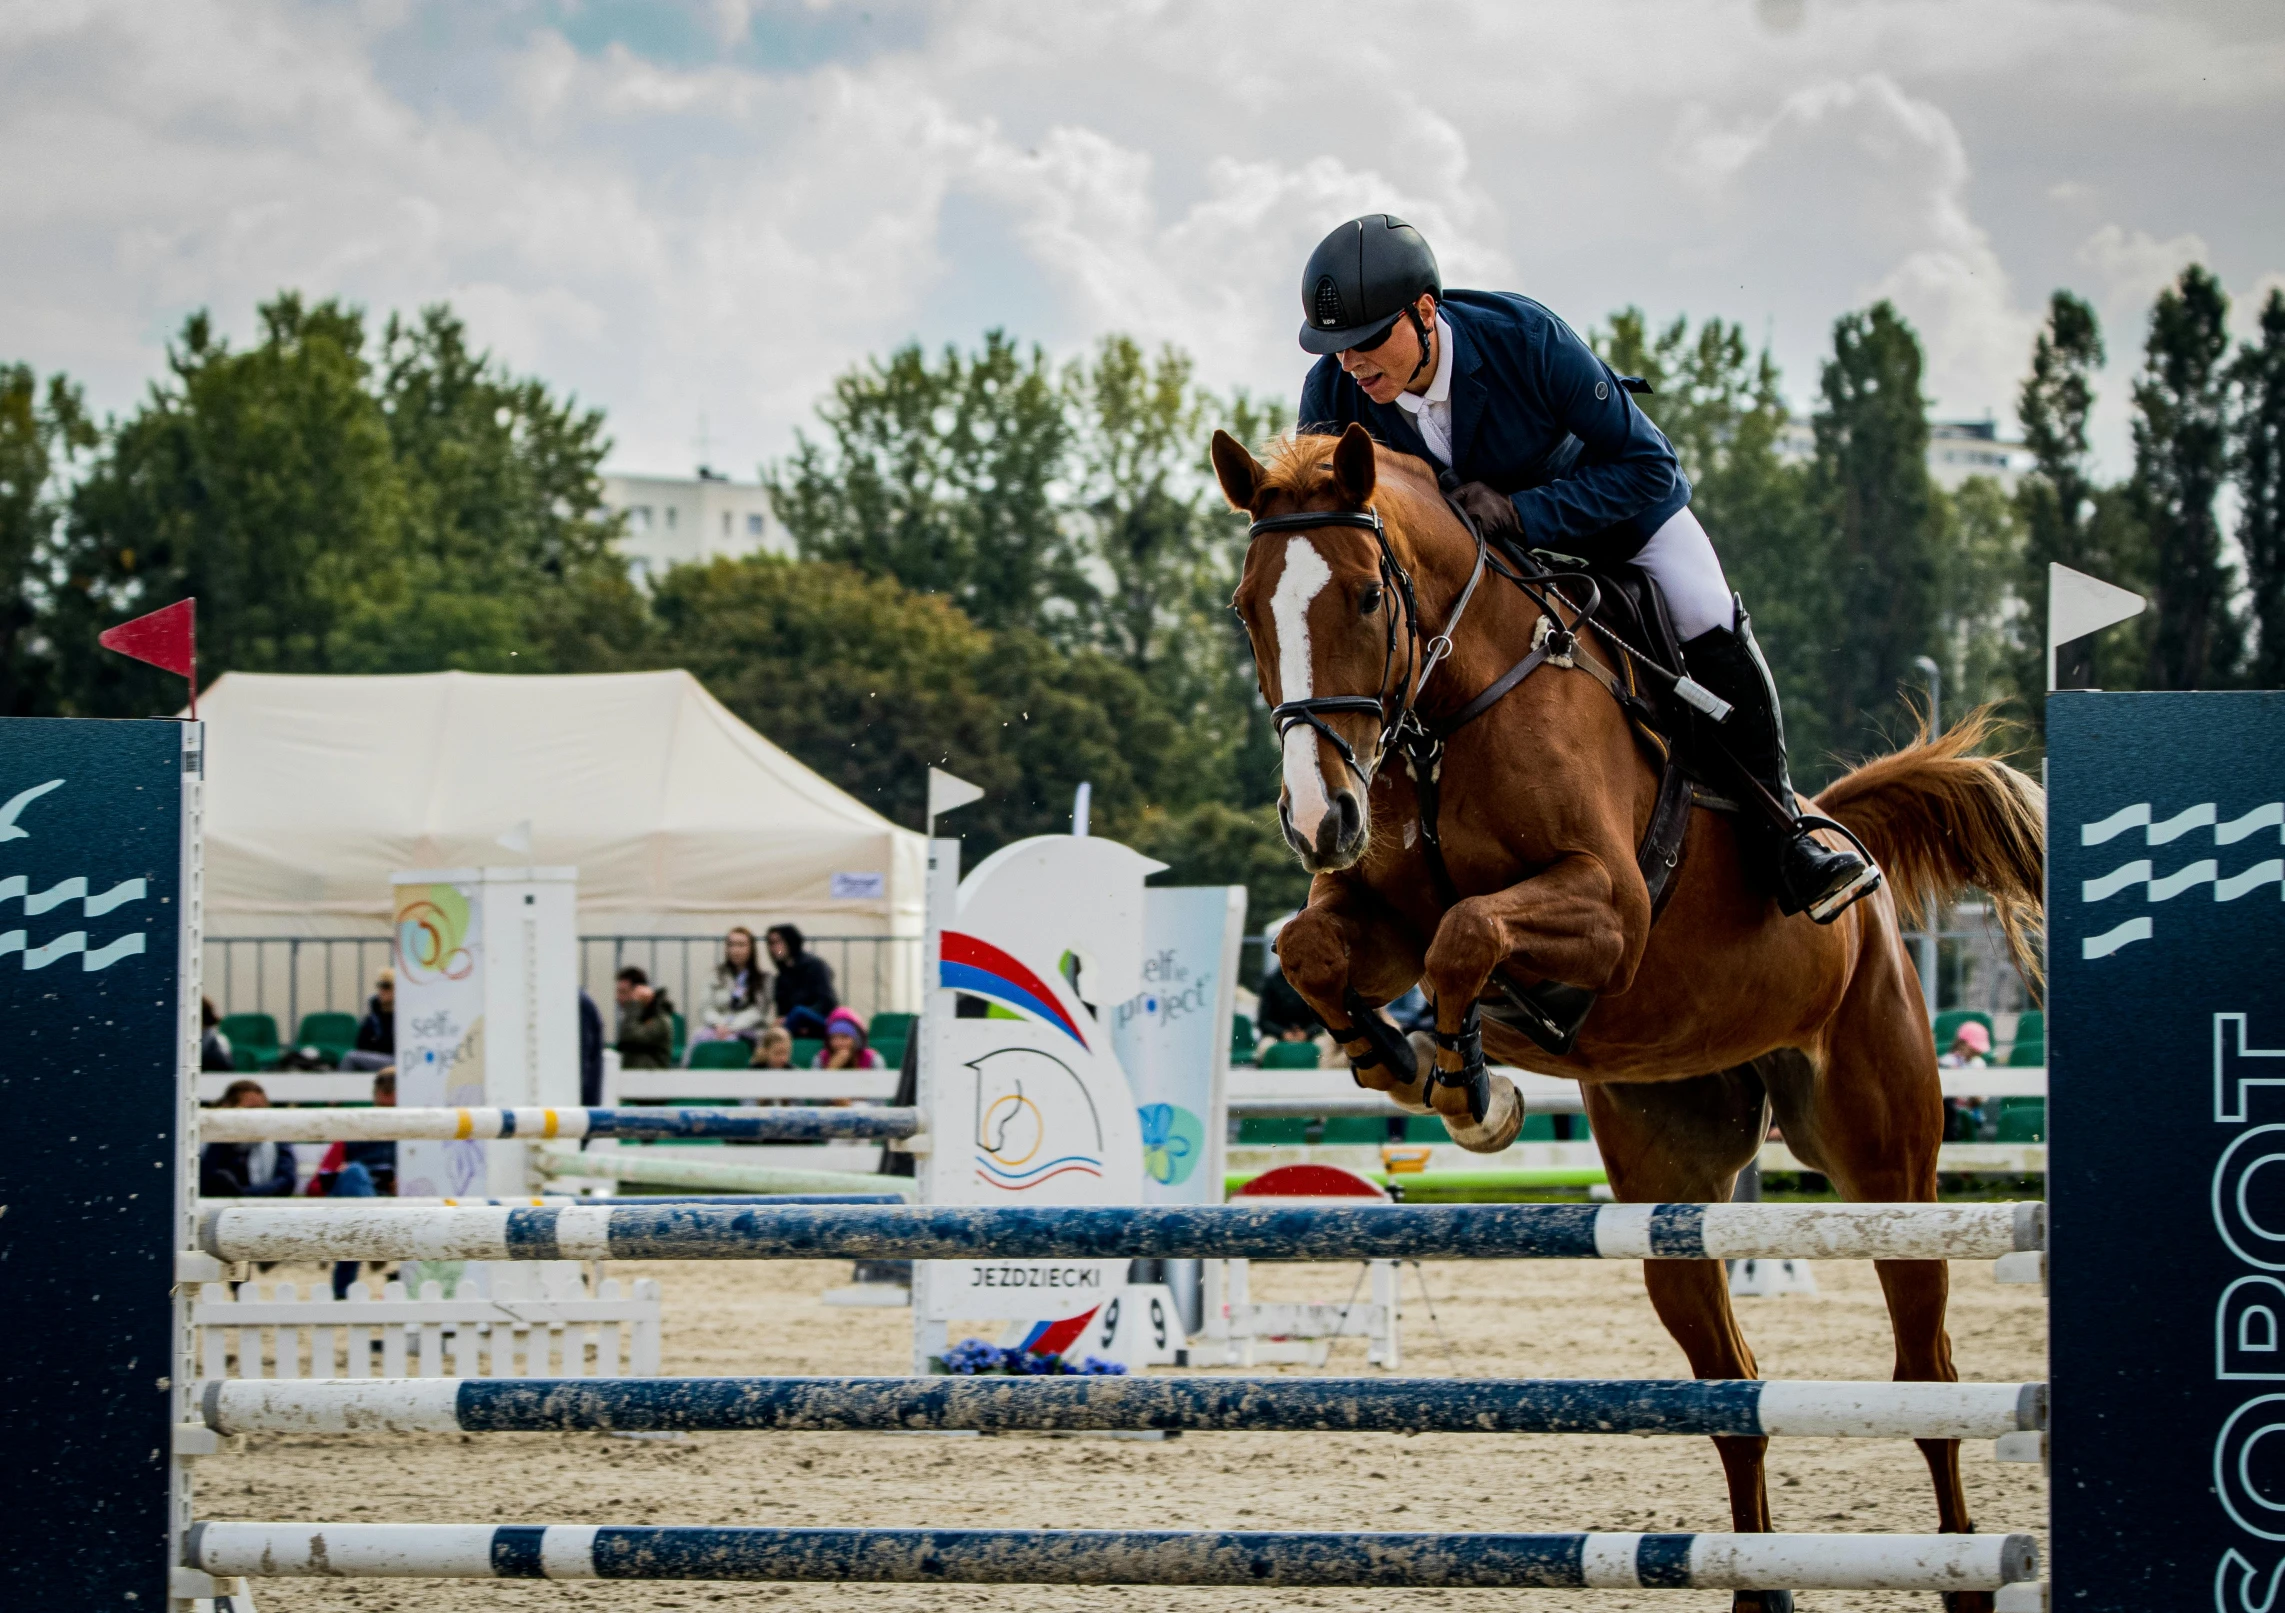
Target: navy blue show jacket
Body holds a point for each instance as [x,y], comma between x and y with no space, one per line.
[1537,416]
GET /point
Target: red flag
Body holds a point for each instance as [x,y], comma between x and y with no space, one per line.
[167,638]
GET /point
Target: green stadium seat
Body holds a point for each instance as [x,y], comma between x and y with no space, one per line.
[1353,1131]
[334,1034]
[891,1050]
[806,1049]
[680,1030]
[1242,1039]
[1426,1129]
[1274,1131]
[886,1027]
[2030,1049]
[2022,1120]
[249,1030]
[730,1055]
[1289,1056]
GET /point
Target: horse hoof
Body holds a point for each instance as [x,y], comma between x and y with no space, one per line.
[1503,1118]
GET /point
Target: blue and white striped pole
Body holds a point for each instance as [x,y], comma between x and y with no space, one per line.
[1079,1232]
[1005,1405]
[1115,1557]
[787,1125]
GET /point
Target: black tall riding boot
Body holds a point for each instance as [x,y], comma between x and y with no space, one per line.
[1800,870]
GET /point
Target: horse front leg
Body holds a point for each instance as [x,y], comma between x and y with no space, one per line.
[1347,953]
[1563,924]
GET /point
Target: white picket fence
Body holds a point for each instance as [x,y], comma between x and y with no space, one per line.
[280,1335]
[1240,1332]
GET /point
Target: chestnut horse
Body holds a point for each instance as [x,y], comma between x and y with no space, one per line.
[1710,1019]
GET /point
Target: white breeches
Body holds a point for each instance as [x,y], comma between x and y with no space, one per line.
[1682,558]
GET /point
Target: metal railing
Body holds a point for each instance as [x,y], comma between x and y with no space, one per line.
[289,976]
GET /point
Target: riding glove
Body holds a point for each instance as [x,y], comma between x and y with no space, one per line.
[1491,510]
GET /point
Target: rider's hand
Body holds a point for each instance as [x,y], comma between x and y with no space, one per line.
[1491,510]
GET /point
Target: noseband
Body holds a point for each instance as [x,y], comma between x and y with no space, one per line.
[1419,661]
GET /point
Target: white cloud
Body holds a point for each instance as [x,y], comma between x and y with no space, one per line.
[673,237]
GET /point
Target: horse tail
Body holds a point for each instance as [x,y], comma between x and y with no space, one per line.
[1938,817]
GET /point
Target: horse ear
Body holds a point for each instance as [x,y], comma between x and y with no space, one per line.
[1238,471]
[1354,468]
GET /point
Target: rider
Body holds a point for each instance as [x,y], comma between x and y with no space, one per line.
[1541,443]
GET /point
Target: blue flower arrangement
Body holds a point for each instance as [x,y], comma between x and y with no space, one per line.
[972,1358]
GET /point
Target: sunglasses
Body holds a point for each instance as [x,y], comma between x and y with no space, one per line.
[1374,344]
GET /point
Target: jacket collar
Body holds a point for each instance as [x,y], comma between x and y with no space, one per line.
[1469,390]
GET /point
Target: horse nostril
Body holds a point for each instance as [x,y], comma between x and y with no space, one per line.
[1350,815]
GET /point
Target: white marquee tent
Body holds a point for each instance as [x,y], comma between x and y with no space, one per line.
[680,819]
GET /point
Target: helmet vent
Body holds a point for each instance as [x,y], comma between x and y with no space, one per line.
[1328,302]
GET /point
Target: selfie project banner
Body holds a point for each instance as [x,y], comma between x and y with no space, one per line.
[1173,1037]
[487,1014]
[2166,1058]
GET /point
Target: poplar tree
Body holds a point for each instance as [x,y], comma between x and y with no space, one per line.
[2259,462]
[2181,456]
[1879,519]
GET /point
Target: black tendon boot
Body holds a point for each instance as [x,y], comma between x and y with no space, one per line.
[1802,871]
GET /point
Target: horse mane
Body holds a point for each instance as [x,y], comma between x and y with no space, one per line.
[1301,464]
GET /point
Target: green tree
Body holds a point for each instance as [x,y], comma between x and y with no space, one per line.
[942,476]
[39,437]
[1979,569]
[1880,524]
[2259,462]
[1215,843]
[264,483]
[506,545]
[2181,456]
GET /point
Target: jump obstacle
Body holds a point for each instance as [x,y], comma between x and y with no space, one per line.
[1115,1557]
[1277,1231]
[742,1125]
[1748,1408]
[211,1557]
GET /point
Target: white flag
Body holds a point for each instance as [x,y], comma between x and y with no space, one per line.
[2078,604]
[946,792]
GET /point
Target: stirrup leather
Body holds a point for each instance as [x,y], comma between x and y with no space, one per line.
[1472,1075]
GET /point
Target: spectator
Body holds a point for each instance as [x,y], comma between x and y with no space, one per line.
[377,1031]
[590,1052]
[646,1023]
[1971,1048]
[845,1047]
[773,1049]
[804,992]
[737,1004]
[360,1170]
[213,1047]
[246,1170]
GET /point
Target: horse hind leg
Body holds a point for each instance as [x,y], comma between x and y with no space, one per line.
[1683,1142]
[1872,1123]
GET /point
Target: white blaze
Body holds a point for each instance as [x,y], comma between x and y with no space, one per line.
[1305,574]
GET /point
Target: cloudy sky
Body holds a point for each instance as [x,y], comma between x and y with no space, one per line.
[705,210]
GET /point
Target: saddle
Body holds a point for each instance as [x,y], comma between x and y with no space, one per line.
[1623,603]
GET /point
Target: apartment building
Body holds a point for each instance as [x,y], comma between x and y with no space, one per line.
[680,521]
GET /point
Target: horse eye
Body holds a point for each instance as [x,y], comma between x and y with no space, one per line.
[1370,600]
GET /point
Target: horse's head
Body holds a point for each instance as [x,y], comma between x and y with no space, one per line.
[1317,604]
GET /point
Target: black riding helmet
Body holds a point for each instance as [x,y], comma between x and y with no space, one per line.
[1361,279]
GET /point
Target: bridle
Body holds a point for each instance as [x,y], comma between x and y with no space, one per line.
[1420,658]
